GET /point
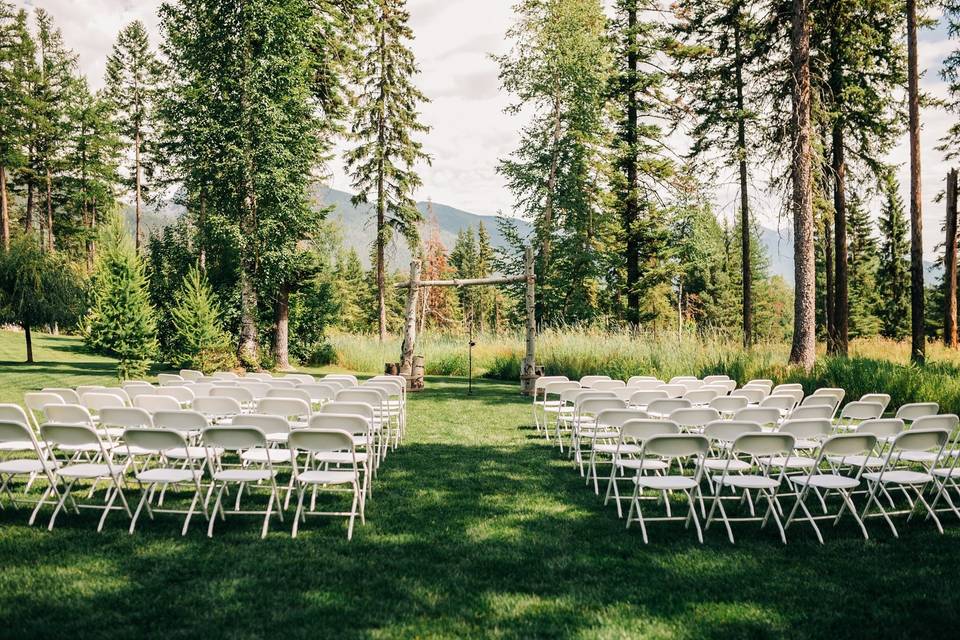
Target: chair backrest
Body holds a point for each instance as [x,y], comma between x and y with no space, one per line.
[666,407]
[730,430]
[344,377]
[781,402]
[95,400]
[636,379]
[859,410]
[201,389]
[760,382]
[122,395]
[67,414]
[281,383]
[835,392]
[556,388]
[154,439]
[883,399]
[691,385]
[881,427]
[760,415]
[269,424]
[848,444]
[125,417]
[807,429]
[673,390]
[37,401]
[351,423]
[608,385]
[680,445]
[155,403]
[701,396]
[183,395]
[728,404]
[300,378]
[224,375]
[238,393]
[643,428]
[616,417]
[10,412]
[679,379]
[257,388]
[191,374]
[715,378]
[823,400]
[644,385]
[359,394]
[787,386]
[135,391]
[812,412]
[920,440]
[753,394]
[694,417]
[68,395]
[318,392]
[321,440]
[85,388]
[946,421]
[588,381]
[286,407]
[232,438]
[913,410]
[169,377]
[70,435]
[258,375]
[593,406]
[580,396]
[18,431]
[297,393]
[726,385]
[540,383]
[180,420]
[217,407]
[348,408]
[764,444]
[390,388]
[645,397]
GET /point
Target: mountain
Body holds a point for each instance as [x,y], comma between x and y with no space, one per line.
[357,226]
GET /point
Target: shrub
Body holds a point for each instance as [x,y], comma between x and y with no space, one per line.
[199,340]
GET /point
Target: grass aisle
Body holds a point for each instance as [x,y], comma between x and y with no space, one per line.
[476,529]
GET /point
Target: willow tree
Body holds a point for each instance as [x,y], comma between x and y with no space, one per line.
[132,81]
[558,69]
[718,66]
[382,166]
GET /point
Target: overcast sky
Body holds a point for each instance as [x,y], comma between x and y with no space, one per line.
[469,131]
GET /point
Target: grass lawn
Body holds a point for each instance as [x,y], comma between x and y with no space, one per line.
[476,529]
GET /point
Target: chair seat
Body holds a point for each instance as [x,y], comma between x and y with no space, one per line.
[110,432]
[653,464]
[625,449]
[946,472]
[806,444]
[871,462]
[82,471]
[747,482]
[243,475]
[133,450]
[27,465]
[260,454]
[18,445]
[325,477]
[192,453]
[790,462]
[899,476]
[826,481]
[340,457]
[665,483]
[360,441]
[278,437]
[719,464]
[168,475]
[588,434]
[927,457]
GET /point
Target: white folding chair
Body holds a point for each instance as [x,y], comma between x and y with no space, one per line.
[154,403]
[913,410]
[668,447]
[183,395]
[755,445]
[856,412]
[294,410]
[895,475]
[258,375]
[883,399]
[554,406]
[300,378]
[320,443]
[17,436]
[342,377]
[701,397]
[217,409]
[834,392]
[661,409]
[69,396]
[224,375]
[783,402]
[14,413]
[641,399]
[715,378]
[626,456]
[768,417]
[727,406]
[159,442]
[821,401]
[753,394]
[239,439]
[367,440]
[318,393]
[604,450]
[587,430]
[75,436]
[169,377]
[812,412]
[693,419]
[588,381]
[817,480]
[135,391]
[673,390]
[608,385]
[648,382]
[297,393]
[36,402]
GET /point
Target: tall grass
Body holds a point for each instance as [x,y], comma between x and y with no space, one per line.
[875,365]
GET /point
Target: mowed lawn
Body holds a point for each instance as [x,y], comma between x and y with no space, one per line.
[476,528]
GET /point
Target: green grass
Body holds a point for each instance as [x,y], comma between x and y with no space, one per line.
[477,528]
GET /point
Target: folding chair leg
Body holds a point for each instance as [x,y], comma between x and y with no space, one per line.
[136,513]
[63,499]
[299,513]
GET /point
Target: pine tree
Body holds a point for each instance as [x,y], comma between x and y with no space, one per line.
[16,53]
[863,259]
[131,79]
[121,321]
[199,339]
[385,120]
[349,284]
[893,274]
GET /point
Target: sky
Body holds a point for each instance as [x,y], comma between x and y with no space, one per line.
[469,130]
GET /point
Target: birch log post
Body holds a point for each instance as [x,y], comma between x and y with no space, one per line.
[410,321]
[528,374]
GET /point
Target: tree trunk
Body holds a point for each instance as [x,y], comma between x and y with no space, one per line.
[631,206]
[4,209]
[917,342]
[841,309]
[50,243]
[201,225]
[410,321]
[281,333]
[803,350]
[29,340]
[746,267]
[829,299]
[381,267]
[950,264]
[528,374]
[136,164]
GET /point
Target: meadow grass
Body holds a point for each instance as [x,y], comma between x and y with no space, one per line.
[477,529]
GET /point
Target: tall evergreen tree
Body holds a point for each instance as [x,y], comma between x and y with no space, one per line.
[893,273]
[16,53]
[862,267]
[382,166]
[131,79]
